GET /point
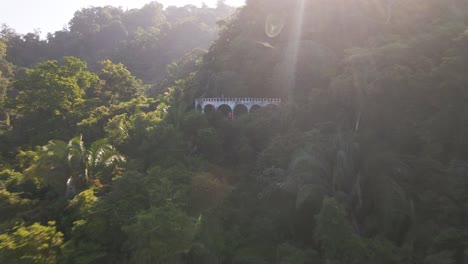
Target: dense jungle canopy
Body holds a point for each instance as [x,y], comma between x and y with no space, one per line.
[103,158]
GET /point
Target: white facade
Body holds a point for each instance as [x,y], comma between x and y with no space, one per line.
[249,103]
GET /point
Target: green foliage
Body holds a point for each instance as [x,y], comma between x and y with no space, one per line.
[288,254]
[12,206]
[95,232]
[51,166]
[131,211]
[26,158]
[5,72]
[365,161]
[339,242]
[159,235]
[444,257]
[53,89]
[101,156]
[117,83]
[208,143]
[49,97]
[207,192]
[68,167]
[385,252]
[146,40]
[9,179]
[117,129]
[15,182]
[82,204]
[31,244]
[98,118]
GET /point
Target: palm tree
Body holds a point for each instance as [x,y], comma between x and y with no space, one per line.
[77,163]
[51,167]
[67,167]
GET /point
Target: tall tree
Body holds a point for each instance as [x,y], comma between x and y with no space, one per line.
[117,83]
[6,72]
[49,98]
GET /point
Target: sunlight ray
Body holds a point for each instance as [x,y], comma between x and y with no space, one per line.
[294,44]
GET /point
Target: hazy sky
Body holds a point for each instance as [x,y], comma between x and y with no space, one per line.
[51,15]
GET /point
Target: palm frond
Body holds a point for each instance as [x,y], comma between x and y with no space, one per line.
[76,152]
[102,155]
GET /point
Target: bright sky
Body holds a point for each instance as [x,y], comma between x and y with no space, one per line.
[51,15]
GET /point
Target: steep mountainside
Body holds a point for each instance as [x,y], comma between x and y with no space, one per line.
[365,161]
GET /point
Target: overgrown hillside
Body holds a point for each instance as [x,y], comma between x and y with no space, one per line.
[366,160]
[146,40]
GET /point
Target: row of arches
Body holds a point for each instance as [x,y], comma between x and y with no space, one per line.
[227,110]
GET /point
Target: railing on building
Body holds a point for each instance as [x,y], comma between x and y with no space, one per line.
[273,100]
[249,103]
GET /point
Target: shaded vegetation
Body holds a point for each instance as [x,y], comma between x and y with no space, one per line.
[366,161]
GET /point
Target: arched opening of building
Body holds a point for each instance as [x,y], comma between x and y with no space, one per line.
[231,108]
[225,110]
[240,110]
[254,108]
[209,109]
